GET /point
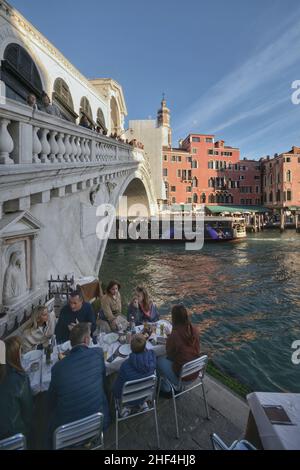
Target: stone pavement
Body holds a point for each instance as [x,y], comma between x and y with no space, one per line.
[139,433]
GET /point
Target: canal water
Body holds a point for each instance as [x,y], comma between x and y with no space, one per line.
[245,297]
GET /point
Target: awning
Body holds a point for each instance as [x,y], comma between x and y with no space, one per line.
[236,209]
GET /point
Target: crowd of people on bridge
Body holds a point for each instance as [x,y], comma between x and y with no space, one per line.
[52,109]
[78,385]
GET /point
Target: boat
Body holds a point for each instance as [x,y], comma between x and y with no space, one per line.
[169,229]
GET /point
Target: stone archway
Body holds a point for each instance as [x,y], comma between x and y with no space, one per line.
[137,201]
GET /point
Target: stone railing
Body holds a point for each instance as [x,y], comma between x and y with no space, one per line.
[33,137]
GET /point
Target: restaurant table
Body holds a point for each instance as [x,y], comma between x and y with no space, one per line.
[274,436]
[40,379]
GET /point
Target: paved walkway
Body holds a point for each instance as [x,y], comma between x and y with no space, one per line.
[139,433]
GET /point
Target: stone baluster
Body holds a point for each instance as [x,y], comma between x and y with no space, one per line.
[83,150]
[61,147]
[78,144]
[73,155]
[45,145]
[54,147]
[36,145]
[6,143]
[68,148]
[87,150]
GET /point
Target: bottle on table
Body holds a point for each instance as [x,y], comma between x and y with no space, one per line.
[132,324]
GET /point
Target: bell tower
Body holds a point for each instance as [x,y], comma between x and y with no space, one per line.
[164,121]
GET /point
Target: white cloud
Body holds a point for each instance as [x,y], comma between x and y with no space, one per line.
[261,69]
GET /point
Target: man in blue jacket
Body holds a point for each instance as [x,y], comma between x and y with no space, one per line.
[140,364]
[77,387]
[76,311]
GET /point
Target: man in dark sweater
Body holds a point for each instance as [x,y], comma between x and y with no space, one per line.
[76,311]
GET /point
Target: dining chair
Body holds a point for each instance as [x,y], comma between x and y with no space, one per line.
[218,444]
[86,432]
[17,442]
[196,366]
[137,390]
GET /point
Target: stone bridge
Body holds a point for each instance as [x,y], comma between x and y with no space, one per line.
[53,176]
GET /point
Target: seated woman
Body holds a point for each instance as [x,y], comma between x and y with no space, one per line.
[111,318]
[141,308]
[183,345]
[40,329]
[16,403]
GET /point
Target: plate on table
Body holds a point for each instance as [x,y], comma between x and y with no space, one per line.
[32,359]
[167,326]
[125,350]
[111,338]
[65,346]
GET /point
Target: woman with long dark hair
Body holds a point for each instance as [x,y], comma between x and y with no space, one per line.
[16,404]
[183,345]
[111,308]
[142,308]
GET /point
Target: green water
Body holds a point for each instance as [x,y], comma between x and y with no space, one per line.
[245,297]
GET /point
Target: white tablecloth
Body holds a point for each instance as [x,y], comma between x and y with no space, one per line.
[277,437]
[40,379]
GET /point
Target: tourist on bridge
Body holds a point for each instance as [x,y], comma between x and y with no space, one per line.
[144,310]
[16,402]
[77,388]
[76,311]
[111,318]
[140,364]
[183,345]
[84,122]
[39,331]
[31,101]
[49,108]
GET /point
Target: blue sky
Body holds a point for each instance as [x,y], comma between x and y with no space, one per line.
[226,66]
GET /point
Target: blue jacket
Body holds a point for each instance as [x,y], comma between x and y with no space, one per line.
[140,317]
[77,387]
[137,366]
[66,317]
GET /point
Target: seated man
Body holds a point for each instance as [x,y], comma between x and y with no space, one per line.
[140,364]
[77,383]
[76,311]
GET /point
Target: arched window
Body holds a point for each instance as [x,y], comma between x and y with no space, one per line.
[194,164]
[195,199]
[63,99]
[278,196]
[211,199]
[85,108]
[195,182]
[271,197]
[289,176]
[20,74]
[101,119]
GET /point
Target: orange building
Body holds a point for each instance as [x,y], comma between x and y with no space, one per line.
[281,180]
[203,170]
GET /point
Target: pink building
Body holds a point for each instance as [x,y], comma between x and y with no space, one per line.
[281,180]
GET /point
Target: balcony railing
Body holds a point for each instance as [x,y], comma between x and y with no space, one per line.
[33,137]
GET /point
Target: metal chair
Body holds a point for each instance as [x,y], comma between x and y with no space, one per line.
[142,389]
[196,366]
[87,431]
[17,442]
[218,444]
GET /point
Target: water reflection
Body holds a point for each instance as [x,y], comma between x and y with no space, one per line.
[244,297]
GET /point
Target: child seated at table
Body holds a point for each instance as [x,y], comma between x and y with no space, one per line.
[140,364]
